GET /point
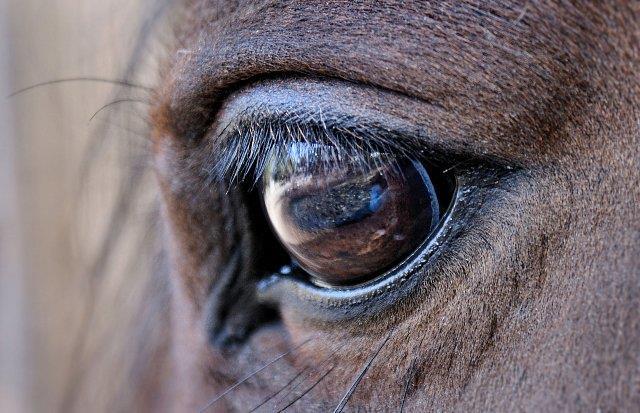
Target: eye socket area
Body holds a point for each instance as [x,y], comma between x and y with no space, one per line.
[345,221]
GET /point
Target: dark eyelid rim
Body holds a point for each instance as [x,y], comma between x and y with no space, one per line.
[336,304]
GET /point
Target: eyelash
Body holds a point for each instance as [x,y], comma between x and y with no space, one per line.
[240,155]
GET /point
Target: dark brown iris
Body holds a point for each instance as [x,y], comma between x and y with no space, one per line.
[345,225]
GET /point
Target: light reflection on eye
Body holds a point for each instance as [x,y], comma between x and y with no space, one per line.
[341,222]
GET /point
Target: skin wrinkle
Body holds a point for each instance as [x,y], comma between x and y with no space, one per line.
[403,71]
[534,306]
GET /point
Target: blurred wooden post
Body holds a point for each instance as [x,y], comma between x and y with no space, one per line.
[13,360]
[42,286]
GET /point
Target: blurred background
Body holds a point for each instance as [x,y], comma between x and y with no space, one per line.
[75,188]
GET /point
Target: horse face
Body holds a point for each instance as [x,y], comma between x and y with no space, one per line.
[528,299]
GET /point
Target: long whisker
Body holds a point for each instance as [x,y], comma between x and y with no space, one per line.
[249,376]
[406,387]
[307,391]
[265,401]
[315,368]
[115,102]
[364,370]
[118,82]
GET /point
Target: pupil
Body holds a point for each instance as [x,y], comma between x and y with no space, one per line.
[340,205]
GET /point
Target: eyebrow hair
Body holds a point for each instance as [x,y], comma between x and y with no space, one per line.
[242,150]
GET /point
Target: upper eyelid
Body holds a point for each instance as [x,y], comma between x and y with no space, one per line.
[363,116]
[324,102]
[237,148]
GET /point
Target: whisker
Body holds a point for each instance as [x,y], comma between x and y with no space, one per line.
[406,387]
[115,102]
[117,82]
[456,165]
[265,401]
[315,368]
[307,391]
[249,376]
[364,370]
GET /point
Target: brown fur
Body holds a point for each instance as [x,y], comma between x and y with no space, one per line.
[535,305]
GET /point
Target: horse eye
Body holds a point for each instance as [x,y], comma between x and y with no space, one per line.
[344,224]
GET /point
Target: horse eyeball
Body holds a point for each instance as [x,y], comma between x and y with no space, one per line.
[344,224]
